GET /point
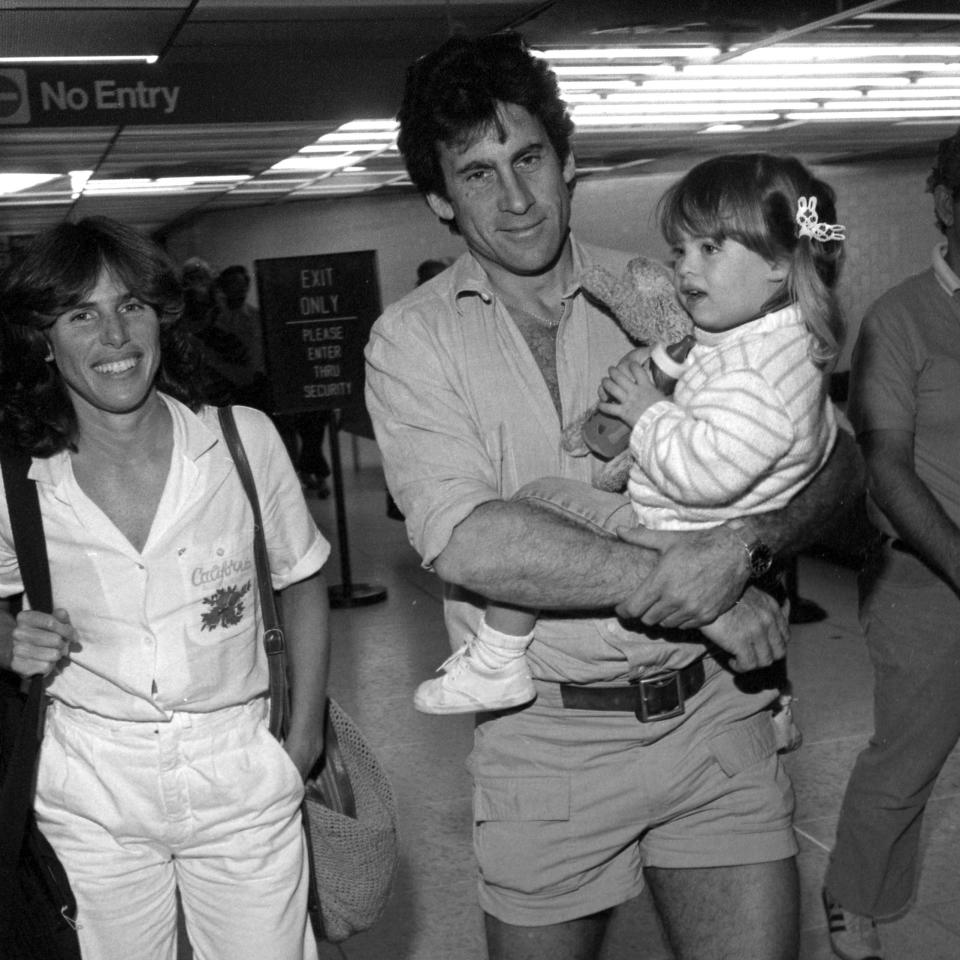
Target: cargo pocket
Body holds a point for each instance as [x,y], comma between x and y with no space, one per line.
[514,844]
[744,744]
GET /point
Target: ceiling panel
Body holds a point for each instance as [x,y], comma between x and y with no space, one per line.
[318,63]
[46,29]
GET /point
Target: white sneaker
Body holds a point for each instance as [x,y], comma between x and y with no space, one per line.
[852,937]
[468,686]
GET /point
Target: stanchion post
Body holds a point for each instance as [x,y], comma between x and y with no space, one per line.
[347,593]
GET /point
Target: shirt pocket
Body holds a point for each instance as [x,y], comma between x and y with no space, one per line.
[220,584]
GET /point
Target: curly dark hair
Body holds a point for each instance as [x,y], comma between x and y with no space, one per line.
[55,273]
[453,94]
[946,171]
[753,198]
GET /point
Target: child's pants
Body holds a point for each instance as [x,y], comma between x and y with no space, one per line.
[208,804]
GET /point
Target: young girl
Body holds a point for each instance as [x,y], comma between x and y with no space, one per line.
[749,423]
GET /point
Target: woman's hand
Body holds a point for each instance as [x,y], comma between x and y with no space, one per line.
[35,642]
[304,750]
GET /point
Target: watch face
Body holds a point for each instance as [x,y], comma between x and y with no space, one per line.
[761,559]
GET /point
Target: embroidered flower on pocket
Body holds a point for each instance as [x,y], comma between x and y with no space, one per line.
[226,607]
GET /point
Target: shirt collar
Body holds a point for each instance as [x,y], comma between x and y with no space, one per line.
[469,278]
[941,270]
[191,437]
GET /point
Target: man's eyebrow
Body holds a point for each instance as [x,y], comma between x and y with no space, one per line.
[472,165]
[480,164]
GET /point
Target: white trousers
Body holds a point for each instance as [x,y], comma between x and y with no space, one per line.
[207,804]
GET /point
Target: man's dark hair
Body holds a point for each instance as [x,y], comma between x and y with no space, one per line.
[57,271]
[946,171]
[453,94]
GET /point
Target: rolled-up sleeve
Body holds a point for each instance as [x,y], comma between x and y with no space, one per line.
[438,466]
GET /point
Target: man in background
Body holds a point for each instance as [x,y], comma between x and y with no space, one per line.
[239,318]
[905,407]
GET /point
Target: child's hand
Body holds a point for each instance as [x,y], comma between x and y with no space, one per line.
[626,392]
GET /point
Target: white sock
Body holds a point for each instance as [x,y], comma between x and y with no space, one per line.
[495,649]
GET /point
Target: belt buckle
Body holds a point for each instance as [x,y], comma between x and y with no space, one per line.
[659,697]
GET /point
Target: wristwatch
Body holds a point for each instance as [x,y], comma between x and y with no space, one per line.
[759,555]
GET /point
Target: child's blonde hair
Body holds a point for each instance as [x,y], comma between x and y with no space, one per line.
[753,198]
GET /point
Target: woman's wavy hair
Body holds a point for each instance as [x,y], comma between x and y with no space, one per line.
[56,271]
[753,198]
[454,93]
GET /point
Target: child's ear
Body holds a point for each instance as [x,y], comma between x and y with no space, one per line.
[778,271]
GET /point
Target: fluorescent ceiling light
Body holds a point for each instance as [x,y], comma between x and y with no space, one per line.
[145,185]
[907,16]
[833,115]
[737,68]
[770,83]
[630,53]
[316,162]
[848,51]
[387,125]
[646,119]
[358,147]
[78,180]
[351,137]
[867,105]
[15,182]
[726,96]
[131,58]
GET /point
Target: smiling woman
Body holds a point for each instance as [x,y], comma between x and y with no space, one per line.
[155,643]
[100,282]
[107,350]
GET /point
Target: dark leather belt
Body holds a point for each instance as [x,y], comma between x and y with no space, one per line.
[657,697]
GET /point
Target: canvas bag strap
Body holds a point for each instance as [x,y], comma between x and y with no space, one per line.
[273,639]
[16,797]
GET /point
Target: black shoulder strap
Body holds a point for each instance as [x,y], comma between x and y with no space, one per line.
[24,506]
[273,639]
[16,796]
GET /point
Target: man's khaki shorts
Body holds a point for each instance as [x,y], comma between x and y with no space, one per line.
[570,805]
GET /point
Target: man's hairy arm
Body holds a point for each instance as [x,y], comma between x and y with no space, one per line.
[518,553]
[515,552]
[908,504]
[834,489]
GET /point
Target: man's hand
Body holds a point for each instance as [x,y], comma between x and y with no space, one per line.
[699,576]
[37,642]
[754,631]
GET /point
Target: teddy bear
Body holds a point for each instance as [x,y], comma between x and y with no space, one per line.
[644,303]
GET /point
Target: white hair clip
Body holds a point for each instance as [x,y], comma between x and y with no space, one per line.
[809,224]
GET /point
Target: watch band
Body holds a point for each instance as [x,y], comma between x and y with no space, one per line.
[759,555]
